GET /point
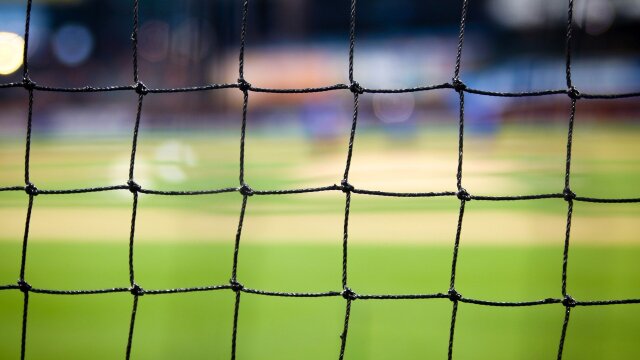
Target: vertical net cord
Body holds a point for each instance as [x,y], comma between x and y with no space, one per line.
[462,194]
[134,188]
[29,188]
[569,196]
[32,191]
[245,190]
[347,188]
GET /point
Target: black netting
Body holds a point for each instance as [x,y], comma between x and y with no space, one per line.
[347,188]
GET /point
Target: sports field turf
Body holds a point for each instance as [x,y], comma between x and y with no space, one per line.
[509,251]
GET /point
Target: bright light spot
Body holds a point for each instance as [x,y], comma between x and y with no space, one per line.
[393,108]
[11,48]
[176,152]
[173,157]
[171,173]
[72,44]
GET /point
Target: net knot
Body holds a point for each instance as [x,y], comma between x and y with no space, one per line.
[31,189]
[244,85]
[462,194]
[574,93]
[568,301]
[568,194]
[349,294]
[235,285]
[356,88]
[28,84]
[458,85]
[245,190]
[133,186]
[346,187]
[24,286]
[454,295]
[136,290]
[141,89]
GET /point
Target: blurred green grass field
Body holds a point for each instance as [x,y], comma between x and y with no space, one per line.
[509,251]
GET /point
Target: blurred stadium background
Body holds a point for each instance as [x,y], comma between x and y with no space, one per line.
[406,142]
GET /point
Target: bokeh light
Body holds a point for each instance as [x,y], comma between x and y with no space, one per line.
[188,41]
[11,48]
[72,44]
[393,108]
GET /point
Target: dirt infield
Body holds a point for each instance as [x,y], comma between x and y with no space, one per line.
[157,225]
[404,170]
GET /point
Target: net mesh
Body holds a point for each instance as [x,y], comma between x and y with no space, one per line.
[349,295]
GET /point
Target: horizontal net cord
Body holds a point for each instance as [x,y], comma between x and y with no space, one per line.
[353,295]
[250,192]
[572,92]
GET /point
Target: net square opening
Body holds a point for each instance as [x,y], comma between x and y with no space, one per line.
[179,326]
[603,254]
[603,332]
[190,141]
[289,328]
[81,140]
[487,332]
[306,43]
[520,47]
[406,142]
[401,246]
[12,20]
[77,327]
[604,47]
[515,146]
[185,44]
[606,160]
[11,322]
[67,253]
[297,140]
[293,243]
[71,51]
[398,329]
[512,251]
[13,129]
[185,241]
[13,212]
[398,47]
